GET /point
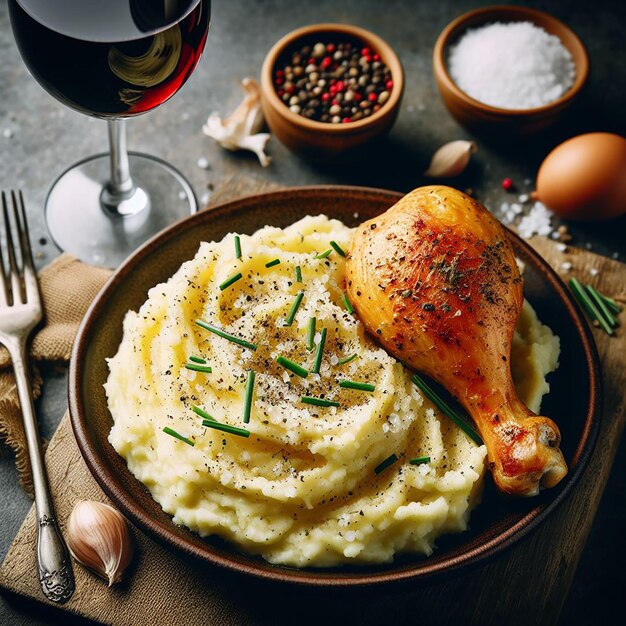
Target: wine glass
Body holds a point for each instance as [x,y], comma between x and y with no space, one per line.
[112,59]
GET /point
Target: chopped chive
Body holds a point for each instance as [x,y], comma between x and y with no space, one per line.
[225,335]
[247,403]
[337,248]
[237,247]
[419,460]
[461,422]
[318,354]
[310,334]
[202,413]
[323,255]
[298,274]
[347,303]
[346,359]
[587,304]
[390,460]
[173,433]
[229,281]
[272,263]
[294,309]
[597,298]
[351,384]
[614,306]
[198,368]
[291,366]
[227,428]
[196,359]
[318,401]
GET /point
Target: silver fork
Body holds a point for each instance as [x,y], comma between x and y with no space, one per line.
[20,312]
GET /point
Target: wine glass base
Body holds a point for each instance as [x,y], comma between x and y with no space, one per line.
[79,223]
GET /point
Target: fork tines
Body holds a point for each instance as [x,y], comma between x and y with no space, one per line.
[18,285]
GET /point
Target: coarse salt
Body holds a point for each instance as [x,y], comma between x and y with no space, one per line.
[512,66]
[537,222]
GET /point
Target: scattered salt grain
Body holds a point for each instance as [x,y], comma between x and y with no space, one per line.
[527,181]
[514,66]
[561,247]
[182,195]
[615,255]
[588,246]
[537,222]
[7,133]
[203,163]
[567,266]
[594,271]
[523,198]
[204,199]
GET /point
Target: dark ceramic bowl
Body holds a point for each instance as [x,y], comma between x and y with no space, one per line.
[490,119]
[574,400]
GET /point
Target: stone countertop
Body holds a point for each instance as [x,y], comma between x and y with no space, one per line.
[39,138]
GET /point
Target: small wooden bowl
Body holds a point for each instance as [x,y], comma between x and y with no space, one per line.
[483,117]
[323,140]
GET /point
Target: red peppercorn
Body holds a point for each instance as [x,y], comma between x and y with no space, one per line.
[389,84]
[372,97]
[326,61]
[290,89]
[340,86]
[325,97]
[376,57]
[346,120]
[357,96]
[280,73]
[366,52]
[330,47]
[507,184]
[279,81]
[281,93]
[335,102]
[311,61]
[377,107]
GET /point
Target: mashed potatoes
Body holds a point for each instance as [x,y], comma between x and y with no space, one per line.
[306,488]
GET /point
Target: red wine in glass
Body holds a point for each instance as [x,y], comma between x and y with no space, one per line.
[112,59]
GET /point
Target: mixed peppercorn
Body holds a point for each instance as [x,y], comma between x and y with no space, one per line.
[333,82]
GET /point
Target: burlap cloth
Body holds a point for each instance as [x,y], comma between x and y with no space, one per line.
[67,289]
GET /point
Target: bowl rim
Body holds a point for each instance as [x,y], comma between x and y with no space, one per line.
[386,52]
[115,490]
[460,23]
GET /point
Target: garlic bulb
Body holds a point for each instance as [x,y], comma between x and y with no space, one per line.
[451,159]
[98,538]
[241,130]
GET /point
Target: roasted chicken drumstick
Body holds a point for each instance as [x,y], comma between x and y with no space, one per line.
[434,279]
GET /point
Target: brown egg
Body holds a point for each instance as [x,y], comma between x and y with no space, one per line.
[584,178]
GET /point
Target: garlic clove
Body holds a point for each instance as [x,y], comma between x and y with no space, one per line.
[451,159]
[241,129]
[98,537]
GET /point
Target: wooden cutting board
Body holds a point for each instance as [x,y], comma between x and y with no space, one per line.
[526,585]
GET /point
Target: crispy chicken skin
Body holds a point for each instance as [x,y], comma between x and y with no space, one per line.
[434,279]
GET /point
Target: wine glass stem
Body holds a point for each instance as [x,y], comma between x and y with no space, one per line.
[120,184]
[120,196]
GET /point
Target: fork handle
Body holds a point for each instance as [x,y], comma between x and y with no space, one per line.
[53,559]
